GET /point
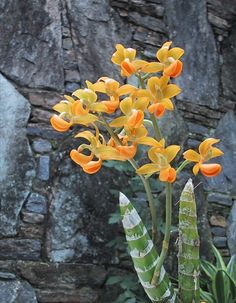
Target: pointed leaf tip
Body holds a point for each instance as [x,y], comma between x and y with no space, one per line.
[124,201]
[189,185]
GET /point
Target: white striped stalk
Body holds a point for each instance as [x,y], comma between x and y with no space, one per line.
[189,291]
[144,255]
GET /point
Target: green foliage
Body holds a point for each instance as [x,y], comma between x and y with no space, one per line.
[221,280]
[131,290]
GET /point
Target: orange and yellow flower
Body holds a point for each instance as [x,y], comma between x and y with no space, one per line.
[98,151]
[206,152]
[161,158]
[161,92]
[172,66]
[125,58]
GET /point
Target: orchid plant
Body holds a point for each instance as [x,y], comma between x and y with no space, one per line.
[129,114]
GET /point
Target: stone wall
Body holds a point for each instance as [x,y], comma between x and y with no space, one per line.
[53,220]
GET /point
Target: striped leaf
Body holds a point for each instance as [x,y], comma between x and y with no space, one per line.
[189,291]
[144,255]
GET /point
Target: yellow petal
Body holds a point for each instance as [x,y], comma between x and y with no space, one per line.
[196,169]
[118,56]
[99,87]
[141,103]
[86,135]
[171,90]
[130,53]
[206,144]
[167,103]
[109,153]
[153,83]
[126,105]
[99,107]
[216,152]
[153,67]
[148,141]
[118,122]
[139,64]
[171,151]
[148,169]
[80,158]
[192,155]
[126,89]
[162,54]
[85,120]
[62,107]
[69,98]
[176,53]
[85,94]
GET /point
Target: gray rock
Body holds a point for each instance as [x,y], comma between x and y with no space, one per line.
[31,42]
[20,249]
[218,231]
[229,65]
[95,41]
[71,86]
[42,146]
[16,291]
[220,242]
[226,132]
[231,233]
[220,199]
[187,21]
[7,275]
[16,161]
[75,221]
[44,168]
[32,217]
[36,203]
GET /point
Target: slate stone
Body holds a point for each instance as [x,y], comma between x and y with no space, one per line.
[30,52]
[76,222]
[229,64]
[20,249]
[32,217]
[220,242]
[16,291]
[42,146]
[36,203]
[220,199]
[16,162]
[44,168]
[94,36]
[231,232]
[218,231]
[226,132]
[187,22]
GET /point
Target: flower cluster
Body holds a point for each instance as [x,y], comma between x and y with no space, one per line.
[133,109]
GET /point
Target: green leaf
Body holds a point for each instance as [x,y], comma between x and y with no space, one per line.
[206,296]
[220,264]
[114,280]
[208,268]
[231,267]
[219,287]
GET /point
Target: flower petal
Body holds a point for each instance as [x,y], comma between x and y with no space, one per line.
[148,169]
[158,109]
[80,158]
[128,152]
[152,67]
[118,122]
[211,169]
[92,167]
[174,69]
[126,105]
[196,169]
[126,89]
[167,103]
[62,107]
[171,90]
[59,124]
[191,155]
[176,53]
[168,175]
[206,145]
[170,152]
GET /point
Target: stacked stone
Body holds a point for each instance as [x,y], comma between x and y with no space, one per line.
[54,218]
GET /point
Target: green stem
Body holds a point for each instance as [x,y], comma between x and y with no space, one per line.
[182,166]
[157,132]
[165,244]
[145,182]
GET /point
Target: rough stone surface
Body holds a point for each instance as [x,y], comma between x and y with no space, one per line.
[36,203]
[199,87]
[226,181]
[20,249]
[42,146]
[44,168]
[16,161]
[229,64]
[91,28]
[220,199]
[70,236]
[218,220]
[31,42]
[232,230]
[13,290]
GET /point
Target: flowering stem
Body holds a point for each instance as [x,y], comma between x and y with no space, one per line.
[165,244]
[145,182]
[182,166]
